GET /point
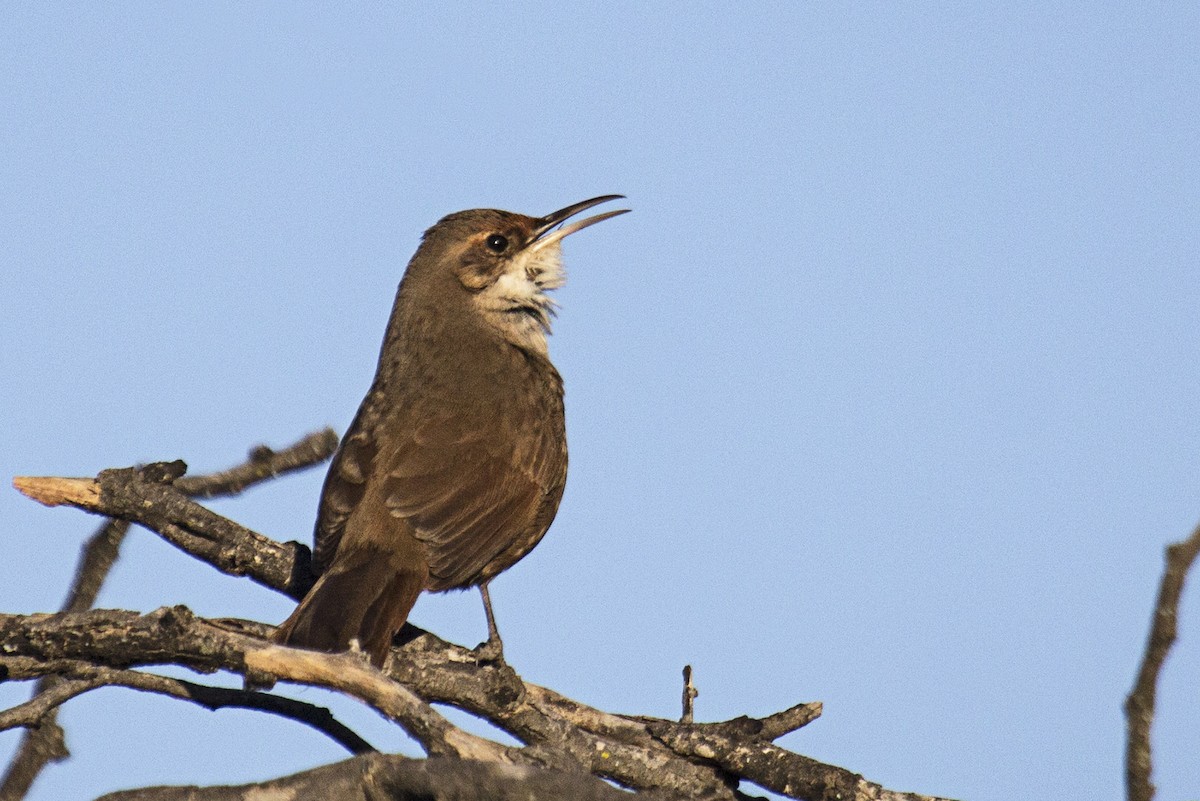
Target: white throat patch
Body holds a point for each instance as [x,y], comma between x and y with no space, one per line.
[517,303]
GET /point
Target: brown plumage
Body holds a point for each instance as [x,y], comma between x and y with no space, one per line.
[456,461]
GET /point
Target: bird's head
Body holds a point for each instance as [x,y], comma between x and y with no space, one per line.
[505,263]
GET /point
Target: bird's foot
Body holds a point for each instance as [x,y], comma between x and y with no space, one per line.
[356,650]
[490,652]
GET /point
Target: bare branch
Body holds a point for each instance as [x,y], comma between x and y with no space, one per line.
[1139,706]
[380,777]
[98,556]
[174,635]
[77,677]
[130,494]
[32,714]
[352,675]
[141,495]
[264,464]
[693,761]
[767,729]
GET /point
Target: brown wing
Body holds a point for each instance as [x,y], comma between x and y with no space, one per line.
[480,491]
[346,481]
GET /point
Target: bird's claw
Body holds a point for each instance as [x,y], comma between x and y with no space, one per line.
[490,652]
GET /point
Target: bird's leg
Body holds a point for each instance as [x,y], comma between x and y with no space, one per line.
[493,649]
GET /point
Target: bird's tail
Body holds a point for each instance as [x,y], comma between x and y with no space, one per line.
[362,600]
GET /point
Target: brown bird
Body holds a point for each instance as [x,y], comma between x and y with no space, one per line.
[455,463]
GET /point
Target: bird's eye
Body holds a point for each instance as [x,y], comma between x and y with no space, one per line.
[497,243]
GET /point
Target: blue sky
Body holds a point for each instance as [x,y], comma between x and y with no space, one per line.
[884,395]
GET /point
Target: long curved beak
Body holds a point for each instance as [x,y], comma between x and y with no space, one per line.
[545,234]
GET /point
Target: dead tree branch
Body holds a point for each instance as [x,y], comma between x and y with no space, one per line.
[138,495]
[1139,706]
[663,757]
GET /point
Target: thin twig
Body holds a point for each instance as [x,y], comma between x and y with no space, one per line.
[80,677]
[1139,706]
[263,465]
[774,726]
[96,559]
[689,696]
